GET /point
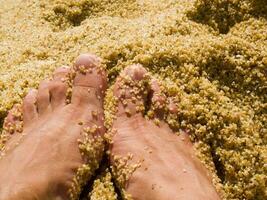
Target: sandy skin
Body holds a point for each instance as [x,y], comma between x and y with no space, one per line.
[168,168]
[44,163]
[41,162]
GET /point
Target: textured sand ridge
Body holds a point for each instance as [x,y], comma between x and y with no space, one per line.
[210,55]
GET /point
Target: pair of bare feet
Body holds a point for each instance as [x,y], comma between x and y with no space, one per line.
[61,142]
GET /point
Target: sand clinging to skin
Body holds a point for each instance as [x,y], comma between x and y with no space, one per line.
[211,57]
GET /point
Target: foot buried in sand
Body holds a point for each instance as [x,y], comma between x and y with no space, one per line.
[60,144]
[53,142]
[148,160]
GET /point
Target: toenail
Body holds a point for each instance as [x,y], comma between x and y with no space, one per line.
[158,99]
[32,90]
[136,72]
[65,67]
[87,60]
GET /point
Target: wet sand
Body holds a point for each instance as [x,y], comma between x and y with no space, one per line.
[210,56]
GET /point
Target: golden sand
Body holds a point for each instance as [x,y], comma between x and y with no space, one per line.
[210,55]
[103,188]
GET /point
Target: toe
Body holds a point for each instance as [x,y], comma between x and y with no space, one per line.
[12,120]
[58,87]
[12,125]
[158,100]
[60,74]
[29,107]
[172,107]
[90,81]
[43,97]
[131,89]
[173,113]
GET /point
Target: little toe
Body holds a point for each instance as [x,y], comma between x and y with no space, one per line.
[14,117]
[43,98]
[12,125]
[173,114]
[131,90]
[90,81]
[58,87]
[158,101]
[172,107]
[29,107]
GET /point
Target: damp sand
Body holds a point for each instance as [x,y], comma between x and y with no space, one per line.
[210,55]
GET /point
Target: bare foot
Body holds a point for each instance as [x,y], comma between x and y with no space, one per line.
[148,159]
[61,143]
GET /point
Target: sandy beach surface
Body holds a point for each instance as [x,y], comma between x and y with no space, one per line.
[210,55]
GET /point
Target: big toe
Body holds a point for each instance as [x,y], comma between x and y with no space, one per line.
[131,89]
[90,81]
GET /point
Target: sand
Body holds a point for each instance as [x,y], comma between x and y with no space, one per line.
[210,55]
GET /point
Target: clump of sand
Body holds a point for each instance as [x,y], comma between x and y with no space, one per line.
[210,55]
[221,15]
[103,188]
